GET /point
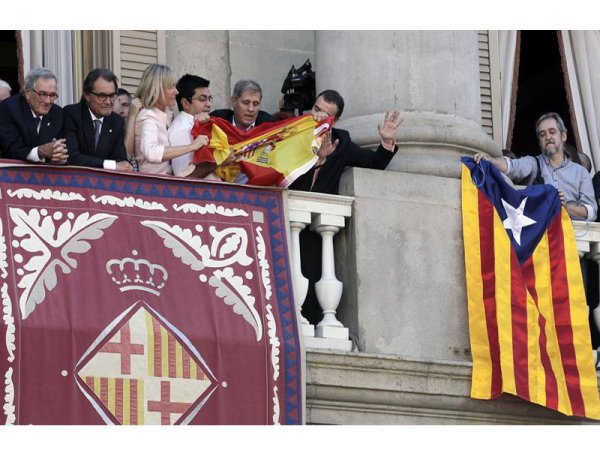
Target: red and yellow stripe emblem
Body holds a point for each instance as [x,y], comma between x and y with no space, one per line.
[166,356]
[123,397]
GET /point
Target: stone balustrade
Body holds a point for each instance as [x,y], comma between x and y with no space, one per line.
[587,235]
[324,214]
[588,238]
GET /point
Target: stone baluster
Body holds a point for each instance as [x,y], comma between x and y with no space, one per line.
[329,288]
[327,215]
[298,221]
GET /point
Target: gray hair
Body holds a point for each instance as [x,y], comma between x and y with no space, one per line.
[246,85]
[35,74]
[550,115]
[5,85]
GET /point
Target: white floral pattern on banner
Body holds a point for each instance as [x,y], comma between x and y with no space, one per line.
[234,293]
[274,341]
[263,262]
[36,233]
[275,344]
[3,261]
[275,406]
[9,398]
[45,194]
[9,321]
[210,208]
[228,247]
[130,202]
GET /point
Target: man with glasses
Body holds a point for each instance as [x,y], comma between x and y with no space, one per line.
[194,101]
[95,134]
[31,124]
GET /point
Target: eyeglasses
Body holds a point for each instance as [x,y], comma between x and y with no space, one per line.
[102,97]
[52,95]
[203,98]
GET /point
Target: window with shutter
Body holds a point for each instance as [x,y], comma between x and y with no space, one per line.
[136,50]
[489,76]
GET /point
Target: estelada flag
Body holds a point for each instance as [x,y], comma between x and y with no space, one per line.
[528,318]
[271,154]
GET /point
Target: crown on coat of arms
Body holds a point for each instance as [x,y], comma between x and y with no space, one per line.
[137,274]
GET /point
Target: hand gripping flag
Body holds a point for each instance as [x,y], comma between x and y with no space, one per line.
[527,311]
[271,154]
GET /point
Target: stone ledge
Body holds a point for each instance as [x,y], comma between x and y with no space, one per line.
[357,388]
[427,129]
[429,142]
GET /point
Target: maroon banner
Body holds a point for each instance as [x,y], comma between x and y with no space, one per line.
[129,299]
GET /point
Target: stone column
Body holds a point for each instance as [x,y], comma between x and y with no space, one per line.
[432,77]
[404,279]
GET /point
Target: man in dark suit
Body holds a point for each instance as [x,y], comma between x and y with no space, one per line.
[95,134]
[245,110]
[338,151]
[31,124]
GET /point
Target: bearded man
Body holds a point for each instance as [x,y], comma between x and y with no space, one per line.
[573,182]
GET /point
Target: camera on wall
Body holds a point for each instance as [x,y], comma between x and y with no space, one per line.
[299,89]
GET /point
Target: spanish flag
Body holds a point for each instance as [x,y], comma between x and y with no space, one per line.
[527,311]
[271,154]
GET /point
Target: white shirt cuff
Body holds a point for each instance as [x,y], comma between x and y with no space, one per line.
[34,157]
[186,171]
[110,164]
[389,148]
[590,212]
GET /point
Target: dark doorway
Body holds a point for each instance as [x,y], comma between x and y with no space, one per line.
[541,89]
[9,66]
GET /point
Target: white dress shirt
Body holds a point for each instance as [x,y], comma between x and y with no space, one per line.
[180,133]
[33,155]
[108,163]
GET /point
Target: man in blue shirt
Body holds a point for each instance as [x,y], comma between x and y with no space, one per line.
[573,182]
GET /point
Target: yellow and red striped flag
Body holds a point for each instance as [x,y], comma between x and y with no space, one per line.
[528,318]
[271,154]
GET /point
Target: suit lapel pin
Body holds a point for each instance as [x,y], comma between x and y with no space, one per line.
[48,124]
[110,131]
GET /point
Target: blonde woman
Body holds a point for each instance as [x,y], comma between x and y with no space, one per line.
[157,93]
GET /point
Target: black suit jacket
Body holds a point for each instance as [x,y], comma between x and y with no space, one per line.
[18,134]
[79,131]
[347,153]
[227,114]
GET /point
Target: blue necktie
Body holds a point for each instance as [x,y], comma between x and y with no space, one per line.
[97,125]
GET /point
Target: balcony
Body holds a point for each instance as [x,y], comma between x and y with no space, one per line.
[349,383]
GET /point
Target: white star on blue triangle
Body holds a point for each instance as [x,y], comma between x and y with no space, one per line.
[515,219]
